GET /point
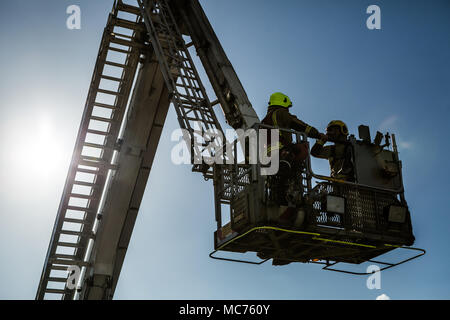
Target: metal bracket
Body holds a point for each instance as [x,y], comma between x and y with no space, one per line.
[388,265]
[327,263]
[211,255]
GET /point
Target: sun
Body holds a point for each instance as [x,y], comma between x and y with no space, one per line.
[37,150]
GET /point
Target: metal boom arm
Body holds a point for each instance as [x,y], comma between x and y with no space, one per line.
[119,133]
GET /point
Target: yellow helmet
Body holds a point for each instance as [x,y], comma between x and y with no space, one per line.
[280,99]
[340,124]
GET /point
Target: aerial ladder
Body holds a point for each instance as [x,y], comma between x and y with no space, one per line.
[143,66]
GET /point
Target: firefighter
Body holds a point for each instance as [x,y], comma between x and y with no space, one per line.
[278,116]
[286,183]
[291,157]
[339,154]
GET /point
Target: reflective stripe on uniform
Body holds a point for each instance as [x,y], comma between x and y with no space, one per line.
[274,118]
[275,147]
[308,129]
[275,124]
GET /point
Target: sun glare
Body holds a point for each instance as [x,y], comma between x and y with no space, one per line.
[38,150]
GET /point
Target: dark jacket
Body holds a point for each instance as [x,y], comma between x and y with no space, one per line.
[339,156]
[281,118]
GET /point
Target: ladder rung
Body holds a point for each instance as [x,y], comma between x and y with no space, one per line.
[193,105]
[187,102]
[187,68]
[115,64]
[103,105]
[188,84]
[118,50]
[75,208]
[84,183]
[199,120]
[68,244]
[128,8]
[81,221]
[95,145]
[56,279]
[111,78]
[59,268]
[98,146]
[97,132]
[76,233]
[68,263]
[81,196]
[109,92]
[84,170]
[125,43]
[187,87]
[117,34]
[128,24]
[191,99]
[184,76]
[93,161]
[59,291]
[101,119]
[64,256]
[102,164]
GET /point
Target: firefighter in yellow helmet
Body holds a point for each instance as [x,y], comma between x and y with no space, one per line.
[339,154]
[278,116]
[291,155]
[285,184]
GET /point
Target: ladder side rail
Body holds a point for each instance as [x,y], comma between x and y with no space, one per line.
[121,101]
[99,166]
[132,61]
[229,91]
[170,83]
[195,73]
[143,131]
[204,115]
[72,170]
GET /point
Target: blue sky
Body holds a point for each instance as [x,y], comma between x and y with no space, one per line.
[320,53]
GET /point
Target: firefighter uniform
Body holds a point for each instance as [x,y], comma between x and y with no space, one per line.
[339,155]
[278,116]
[291,156]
